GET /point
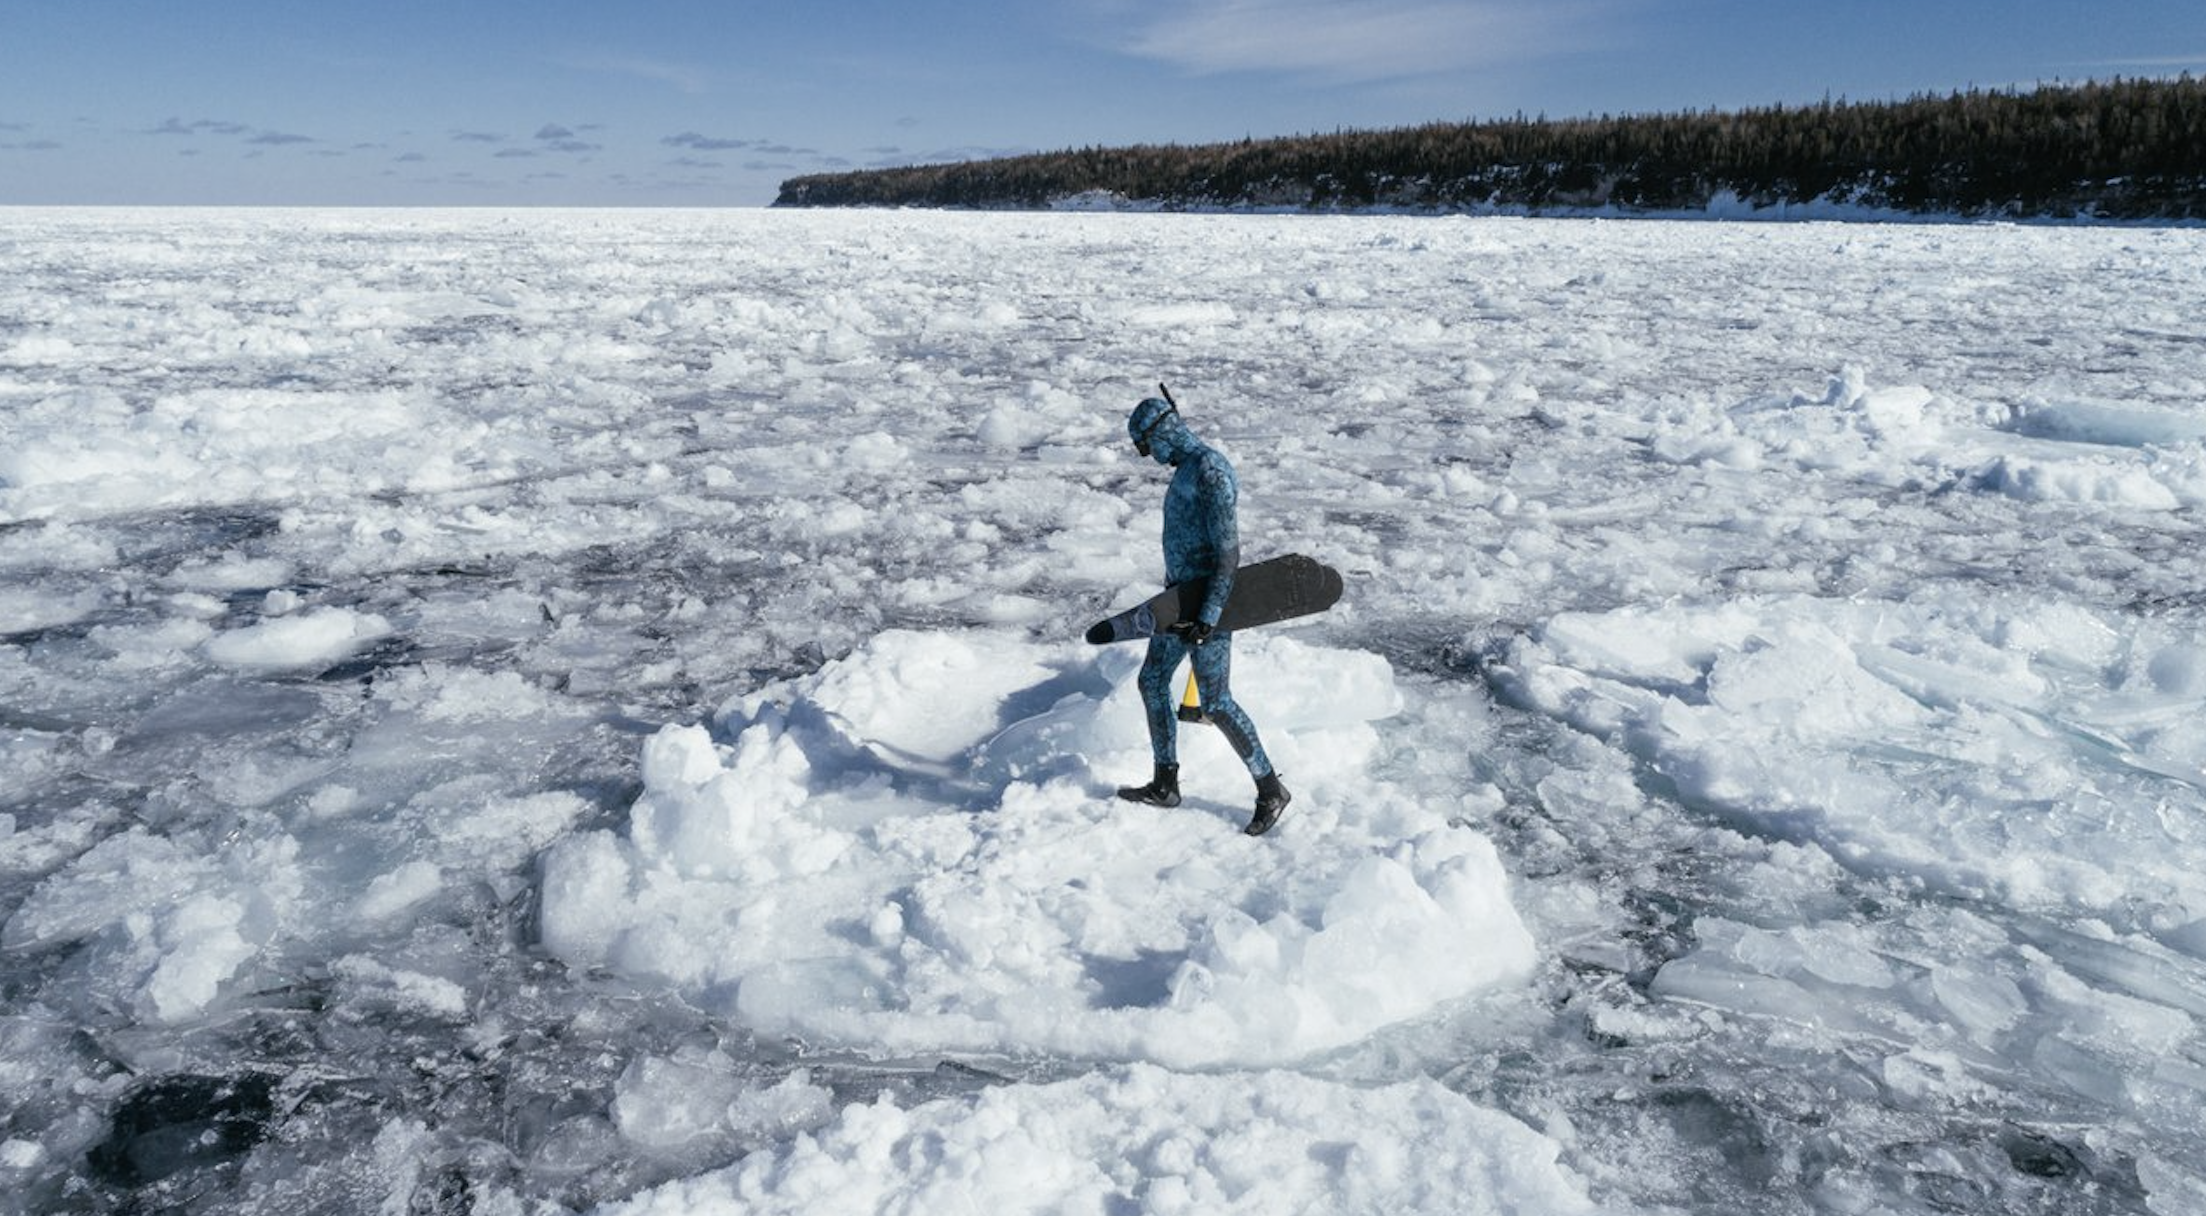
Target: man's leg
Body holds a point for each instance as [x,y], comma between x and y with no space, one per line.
[1214,680]
[1157,669]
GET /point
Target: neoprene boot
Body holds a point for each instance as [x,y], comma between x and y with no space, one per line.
[1162,790]
[1271,798]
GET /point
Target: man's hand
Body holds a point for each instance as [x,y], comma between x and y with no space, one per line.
[1193,632]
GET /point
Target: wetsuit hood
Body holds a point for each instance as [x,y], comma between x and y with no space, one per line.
[1157,431]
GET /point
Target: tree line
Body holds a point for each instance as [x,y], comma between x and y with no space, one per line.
[2121,149]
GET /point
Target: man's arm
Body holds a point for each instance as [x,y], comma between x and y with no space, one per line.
[1218,494]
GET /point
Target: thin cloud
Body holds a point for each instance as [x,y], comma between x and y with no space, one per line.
[556,138]
[2165,63]
[895,158]
[706,143]
[477,137]
[263,138]
[680,76]
[1365,39]
[201,126]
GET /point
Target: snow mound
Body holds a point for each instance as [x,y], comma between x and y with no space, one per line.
[916,850]
[1142,1139]
[1991,746]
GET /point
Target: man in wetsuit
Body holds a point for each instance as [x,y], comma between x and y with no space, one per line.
[1202,546]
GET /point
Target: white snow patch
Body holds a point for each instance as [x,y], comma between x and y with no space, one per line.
[164,928]
[1994,747]
[310,639]
[17,1154]
[1143,1139]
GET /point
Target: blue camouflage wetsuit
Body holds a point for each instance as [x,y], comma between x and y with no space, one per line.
[1201,543]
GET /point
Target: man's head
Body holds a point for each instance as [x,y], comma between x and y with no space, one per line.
[1157,431]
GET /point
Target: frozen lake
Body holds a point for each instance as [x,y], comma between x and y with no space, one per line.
[513,712]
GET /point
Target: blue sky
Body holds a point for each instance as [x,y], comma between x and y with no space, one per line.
[715,102]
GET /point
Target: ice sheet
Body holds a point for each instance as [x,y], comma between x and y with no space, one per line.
[524,710]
